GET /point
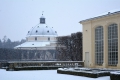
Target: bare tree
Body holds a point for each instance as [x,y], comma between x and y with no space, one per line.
[70,47]
[7,43]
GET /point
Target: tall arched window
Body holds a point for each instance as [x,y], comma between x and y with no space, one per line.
[112,44]
[99,45]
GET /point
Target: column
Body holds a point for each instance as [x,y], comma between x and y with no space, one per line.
[28,55]
[92,63]
[22,56]
[118,65]
[105,55]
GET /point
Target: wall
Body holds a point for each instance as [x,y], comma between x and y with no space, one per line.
[89,38]
[41,38]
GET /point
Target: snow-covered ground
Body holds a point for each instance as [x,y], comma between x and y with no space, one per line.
[42,75]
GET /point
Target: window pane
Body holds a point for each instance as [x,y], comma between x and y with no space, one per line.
[99,45]
[112,44]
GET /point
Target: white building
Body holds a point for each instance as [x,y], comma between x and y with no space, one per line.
[41,39]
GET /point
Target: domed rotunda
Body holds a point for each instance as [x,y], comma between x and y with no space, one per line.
[40,37]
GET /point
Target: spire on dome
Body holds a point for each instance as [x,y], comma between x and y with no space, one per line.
[42,12]
[42,19]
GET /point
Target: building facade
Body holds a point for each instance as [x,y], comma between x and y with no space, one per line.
[101,41]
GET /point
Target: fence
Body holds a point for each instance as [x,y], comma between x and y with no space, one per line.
[19,65]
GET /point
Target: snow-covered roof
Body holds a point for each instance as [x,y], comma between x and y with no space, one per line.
[42,30]
[34,44]
[108,13]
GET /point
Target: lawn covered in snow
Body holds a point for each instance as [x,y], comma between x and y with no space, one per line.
[42,75]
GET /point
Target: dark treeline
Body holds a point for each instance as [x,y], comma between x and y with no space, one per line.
[7,43]
[10,54]
[70,47]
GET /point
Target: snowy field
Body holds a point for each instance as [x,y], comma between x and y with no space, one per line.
[42,75]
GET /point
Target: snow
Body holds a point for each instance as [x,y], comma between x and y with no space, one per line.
[34,44]
[116,72]
[42,75]
[81,70]
[42,61]
[105,13]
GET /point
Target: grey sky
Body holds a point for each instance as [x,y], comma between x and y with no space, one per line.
[17,17]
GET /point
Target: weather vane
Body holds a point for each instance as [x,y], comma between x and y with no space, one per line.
[42,12]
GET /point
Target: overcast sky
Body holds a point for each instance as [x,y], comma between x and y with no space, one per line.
[17,17]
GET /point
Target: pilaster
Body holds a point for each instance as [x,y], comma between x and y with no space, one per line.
[105,55]
[118,65]
[92,64]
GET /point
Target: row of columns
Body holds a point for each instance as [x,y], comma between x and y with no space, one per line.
[44,56]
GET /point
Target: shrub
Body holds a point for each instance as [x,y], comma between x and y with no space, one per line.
[115,76]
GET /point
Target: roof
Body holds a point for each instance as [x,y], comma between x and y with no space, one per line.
[42,16]
[34,44]
[42,30]
[112,12]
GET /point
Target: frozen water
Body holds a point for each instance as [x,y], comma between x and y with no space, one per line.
[42,75]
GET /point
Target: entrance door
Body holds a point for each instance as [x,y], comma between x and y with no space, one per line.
[86,59]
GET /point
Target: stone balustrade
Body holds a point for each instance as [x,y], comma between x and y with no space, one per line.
[16,65]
